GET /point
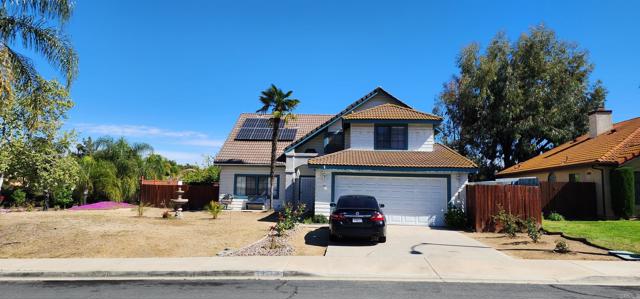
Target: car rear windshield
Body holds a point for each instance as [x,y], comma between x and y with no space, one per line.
[357,202]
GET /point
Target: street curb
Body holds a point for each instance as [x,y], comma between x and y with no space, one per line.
[132,274]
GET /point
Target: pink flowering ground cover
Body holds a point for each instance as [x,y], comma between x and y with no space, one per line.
[102,205]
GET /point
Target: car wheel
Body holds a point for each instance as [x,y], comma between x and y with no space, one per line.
[382,239]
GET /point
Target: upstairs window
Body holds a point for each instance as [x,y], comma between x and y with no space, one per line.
[391,137]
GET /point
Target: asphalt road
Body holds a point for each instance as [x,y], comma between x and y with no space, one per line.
[267,289]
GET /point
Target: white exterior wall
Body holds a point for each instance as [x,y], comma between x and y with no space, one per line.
[316,143]
[324,181]
[227,179]
[421,137]
[361,136]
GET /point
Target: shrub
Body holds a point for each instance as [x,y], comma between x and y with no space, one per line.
[19,197]
[214,208]
[510,223]
[562,247]
[289,217]
[316,219]
[30,207]
[532,229]
[455,217]
[63,197]
[140,208]
[623,191]
[554,216]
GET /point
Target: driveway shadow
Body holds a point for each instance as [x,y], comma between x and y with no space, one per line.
[317,237]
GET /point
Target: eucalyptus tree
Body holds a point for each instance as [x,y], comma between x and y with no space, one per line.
[517,100]
[281,106]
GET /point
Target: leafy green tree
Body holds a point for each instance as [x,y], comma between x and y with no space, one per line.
[281,106]
[32,146]
[36,25]
[517,100]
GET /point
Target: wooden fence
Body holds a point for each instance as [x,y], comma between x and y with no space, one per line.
[483,202]
[571,200]
[160,193]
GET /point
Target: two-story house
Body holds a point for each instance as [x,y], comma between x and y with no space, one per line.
[376,146]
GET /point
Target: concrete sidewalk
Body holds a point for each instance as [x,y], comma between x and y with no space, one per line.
[418,268]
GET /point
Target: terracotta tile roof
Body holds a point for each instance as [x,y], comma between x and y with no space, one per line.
[615,147]
[377,90]
[259,152]
[440,157]
[391,112]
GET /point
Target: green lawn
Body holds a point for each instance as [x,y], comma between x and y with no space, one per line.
[616,235]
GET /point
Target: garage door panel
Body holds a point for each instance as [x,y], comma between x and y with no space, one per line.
[408,200]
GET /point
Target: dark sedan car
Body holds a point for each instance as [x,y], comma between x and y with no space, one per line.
[358,216]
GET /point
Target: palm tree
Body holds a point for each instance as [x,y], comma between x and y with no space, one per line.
[36,25]
[127,160]
[281,106]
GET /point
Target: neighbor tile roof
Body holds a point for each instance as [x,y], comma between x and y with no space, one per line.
[259,152]
[391,112]
[440,157]
[615,147]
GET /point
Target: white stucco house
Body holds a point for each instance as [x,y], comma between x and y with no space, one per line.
[378,145]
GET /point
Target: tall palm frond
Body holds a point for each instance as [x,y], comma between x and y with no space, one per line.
[26,22]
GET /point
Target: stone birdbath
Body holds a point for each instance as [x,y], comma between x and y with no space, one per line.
[178,202]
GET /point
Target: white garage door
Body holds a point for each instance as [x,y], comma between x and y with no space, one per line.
[407,200]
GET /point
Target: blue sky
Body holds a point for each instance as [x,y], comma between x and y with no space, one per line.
[176,74]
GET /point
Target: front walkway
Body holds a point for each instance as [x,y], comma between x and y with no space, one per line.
[418,241]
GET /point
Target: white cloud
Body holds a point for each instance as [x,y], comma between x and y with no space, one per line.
[205,142]
[182,157]
[136,131]
[190,138]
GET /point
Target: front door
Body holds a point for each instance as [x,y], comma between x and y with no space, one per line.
[307,191]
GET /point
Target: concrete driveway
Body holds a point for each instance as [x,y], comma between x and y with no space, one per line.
[422,241]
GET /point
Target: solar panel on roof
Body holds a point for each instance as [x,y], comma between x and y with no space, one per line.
[259,123]
[260,129]
[244,134]
[287,134]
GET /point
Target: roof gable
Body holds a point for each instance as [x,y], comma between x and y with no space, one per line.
[353,106]
[615,147]
[391,112]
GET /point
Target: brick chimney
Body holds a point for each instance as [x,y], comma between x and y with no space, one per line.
[599,122]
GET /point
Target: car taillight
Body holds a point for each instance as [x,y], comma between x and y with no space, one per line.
[377,216]
[337,217]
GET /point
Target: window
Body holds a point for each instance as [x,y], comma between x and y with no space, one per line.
[391,137]
[574,177]
[253,185]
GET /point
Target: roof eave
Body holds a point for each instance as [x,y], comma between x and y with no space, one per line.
[551,168]
[393,168]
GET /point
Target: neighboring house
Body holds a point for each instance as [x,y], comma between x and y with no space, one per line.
[377,146]
[589,158]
